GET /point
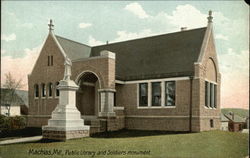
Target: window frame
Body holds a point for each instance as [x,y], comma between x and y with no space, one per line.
[56,90]
[165,93]
[210,94]
[44,90]
[50,90]
[51,60]
[211,122]
[36,91]
[147,90]
[153,97]
[48,60]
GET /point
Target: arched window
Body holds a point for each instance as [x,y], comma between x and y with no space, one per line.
[36,90]
[50,87]
[43,90]
[57,90]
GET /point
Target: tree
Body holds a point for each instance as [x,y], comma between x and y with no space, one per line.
[8,92]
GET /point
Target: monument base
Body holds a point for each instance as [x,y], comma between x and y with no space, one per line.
[65,135]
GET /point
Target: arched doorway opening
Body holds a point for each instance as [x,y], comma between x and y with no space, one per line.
[87,94]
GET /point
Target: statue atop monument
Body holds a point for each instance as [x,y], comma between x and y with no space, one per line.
[67,72]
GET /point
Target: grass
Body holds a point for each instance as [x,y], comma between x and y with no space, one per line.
[241,112]
[212,144]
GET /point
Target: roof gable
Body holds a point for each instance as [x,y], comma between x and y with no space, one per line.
[74,50]
[235,118]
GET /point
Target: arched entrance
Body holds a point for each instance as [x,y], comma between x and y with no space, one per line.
[87,94]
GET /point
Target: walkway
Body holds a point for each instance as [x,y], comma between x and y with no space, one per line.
[21,140]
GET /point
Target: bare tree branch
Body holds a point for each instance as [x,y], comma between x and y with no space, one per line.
[8,93]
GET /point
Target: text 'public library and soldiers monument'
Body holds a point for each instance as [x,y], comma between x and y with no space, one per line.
[168,82]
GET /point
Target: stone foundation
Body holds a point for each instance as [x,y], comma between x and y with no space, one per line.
[64,135]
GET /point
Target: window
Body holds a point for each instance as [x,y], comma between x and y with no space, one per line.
[43,90]
[114,99]
[211,123]
[215,96]
[210,95]
[143,93]
[170,93]
[50,60]
[207,94]
[50,87]
[36,91]
[156,94]
[57,90]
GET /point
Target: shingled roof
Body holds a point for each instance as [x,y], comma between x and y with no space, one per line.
[74,50]
[161,56]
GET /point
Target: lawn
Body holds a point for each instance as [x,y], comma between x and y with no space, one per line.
[212,144]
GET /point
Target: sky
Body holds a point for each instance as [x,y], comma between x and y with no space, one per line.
[25,27]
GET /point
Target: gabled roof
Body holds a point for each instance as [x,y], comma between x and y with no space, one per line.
[235,118]
[162,56]
[24,96]
[21,96]
[74,50]
[223,118]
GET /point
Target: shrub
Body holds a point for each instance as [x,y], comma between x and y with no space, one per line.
[12,123]
[18,122]
[4,123]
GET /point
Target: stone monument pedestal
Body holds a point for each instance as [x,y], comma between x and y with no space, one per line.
[66,122]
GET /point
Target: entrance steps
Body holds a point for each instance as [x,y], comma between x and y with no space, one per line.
[96,124]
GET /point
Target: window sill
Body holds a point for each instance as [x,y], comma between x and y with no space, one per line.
[43,97]
[50,97]
[210,108]
[118,108]
[36,98]
[156,107]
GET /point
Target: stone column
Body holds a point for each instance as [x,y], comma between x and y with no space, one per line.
[106,102]
[66,122]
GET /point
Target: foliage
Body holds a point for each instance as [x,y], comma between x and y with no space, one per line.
[211,144]
[12,123]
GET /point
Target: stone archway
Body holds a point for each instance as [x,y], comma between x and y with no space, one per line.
[87,94]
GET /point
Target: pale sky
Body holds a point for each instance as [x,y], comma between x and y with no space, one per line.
[24,30]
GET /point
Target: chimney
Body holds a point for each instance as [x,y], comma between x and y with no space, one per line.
[183,28]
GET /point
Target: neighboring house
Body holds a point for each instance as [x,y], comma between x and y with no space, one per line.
[166,82]
[11,105]
[25,103]
[247,122]
[236,123]
[224,122]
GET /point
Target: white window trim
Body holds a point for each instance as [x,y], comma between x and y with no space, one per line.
[215,83]
[149,82]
